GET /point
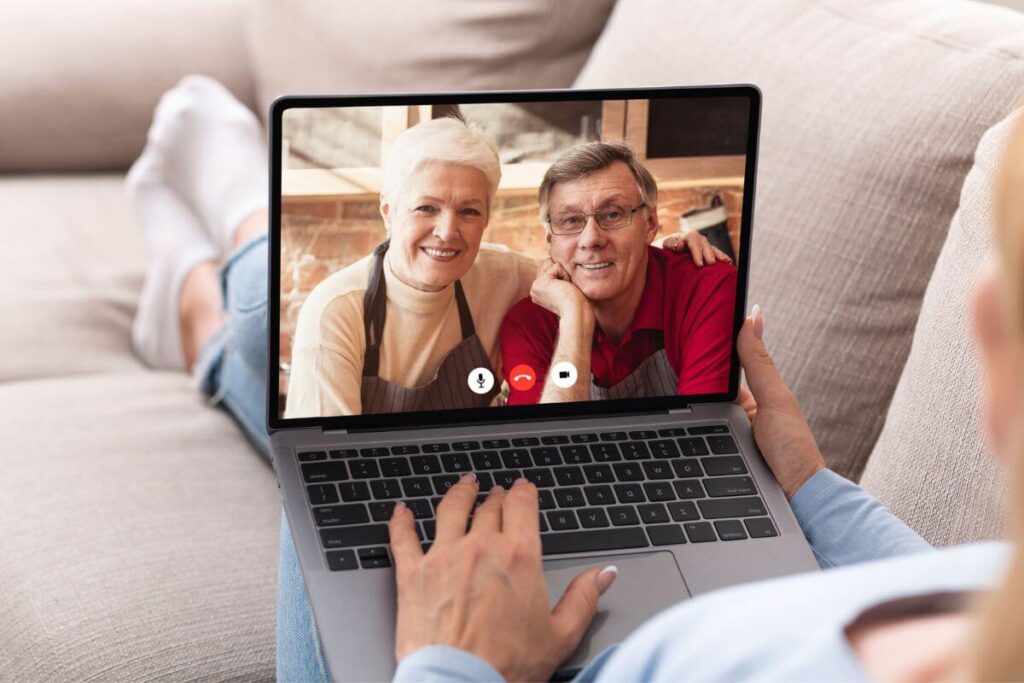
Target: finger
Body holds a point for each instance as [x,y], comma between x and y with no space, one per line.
[709,253]
[405,544]
[745,400]
[578,605]
[453,512]
[763,378]
[487,518]
[722,256]
[520,513]
[697,252]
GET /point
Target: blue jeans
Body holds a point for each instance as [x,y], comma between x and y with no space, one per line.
[232,368]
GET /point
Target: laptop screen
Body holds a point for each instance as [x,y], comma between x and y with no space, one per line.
[495,256]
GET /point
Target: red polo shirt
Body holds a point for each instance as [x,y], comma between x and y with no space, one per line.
[686,309]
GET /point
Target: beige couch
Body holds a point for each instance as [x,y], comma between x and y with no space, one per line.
[138,531]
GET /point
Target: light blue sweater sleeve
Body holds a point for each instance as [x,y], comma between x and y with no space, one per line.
[845,524]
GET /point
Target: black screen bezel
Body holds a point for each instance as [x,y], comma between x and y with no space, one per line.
[549,411]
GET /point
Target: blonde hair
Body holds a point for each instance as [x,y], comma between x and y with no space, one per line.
[998,648]
[449,140]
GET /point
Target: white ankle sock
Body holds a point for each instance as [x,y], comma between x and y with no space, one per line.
[175,244]
[212,150]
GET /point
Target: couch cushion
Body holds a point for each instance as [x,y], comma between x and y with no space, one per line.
[74,265]
[930,465]
[138,538]
[80,82]
[322,46]
[872,112]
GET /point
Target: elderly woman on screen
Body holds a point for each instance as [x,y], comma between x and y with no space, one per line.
[409,327]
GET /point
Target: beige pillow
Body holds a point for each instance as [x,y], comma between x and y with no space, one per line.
[80,80]
[930,465]
[329,47]
[872,112]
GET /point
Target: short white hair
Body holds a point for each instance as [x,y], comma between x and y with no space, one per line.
[448,140]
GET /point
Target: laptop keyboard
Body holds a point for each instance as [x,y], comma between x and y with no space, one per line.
[598,490]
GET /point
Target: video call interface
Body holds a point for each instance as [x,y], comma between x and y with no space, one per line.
[452,256]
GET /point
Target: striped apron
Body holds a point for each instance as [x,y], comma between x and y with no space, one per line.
[653,377]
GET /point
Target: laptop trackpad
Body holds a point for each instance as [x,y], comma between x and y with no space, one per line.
[647,584]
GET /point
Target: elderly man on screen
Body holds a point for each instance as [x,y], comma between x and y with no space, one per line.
[634,321]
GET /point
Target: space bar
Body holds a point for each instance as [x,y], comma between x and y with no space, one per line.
[589,541]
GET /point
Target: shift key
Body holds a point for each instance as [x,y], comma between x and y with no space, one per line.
[346,537]
[751,506]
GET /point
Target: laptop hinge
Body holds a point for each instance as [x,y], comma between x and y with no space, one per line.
[680,411]
[334,432]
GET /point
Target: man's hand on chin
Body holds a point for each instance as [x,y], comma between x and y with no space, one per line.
[553,290]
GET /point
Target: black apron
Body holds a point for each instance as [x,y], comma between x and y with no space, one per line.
[448,389]
[653,377]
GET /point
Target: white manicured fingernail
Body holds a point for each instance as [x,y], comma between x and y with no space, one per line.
[754,310]
[606,577]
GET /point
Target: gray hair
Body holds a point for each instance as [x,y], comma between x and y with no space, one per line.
[590,157]
[450,140]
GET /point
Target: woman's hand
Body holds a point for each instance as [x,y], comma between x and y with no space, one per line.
[552,289]
[780,429]
[701,250]
[483,591]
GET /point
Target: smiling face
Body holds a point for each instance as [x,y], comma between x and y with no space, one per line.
[436,223]
[604,264]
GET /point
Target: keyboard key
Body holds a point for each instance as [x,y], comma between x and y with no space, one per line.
[686,469]
[571,497]
[760,527]
[421,508]
[429,528]
[385,488]
[710,429]
[623,515]
[338,515]
[692,447]
[605,452]
[629,493]
[599,495]
[569,476]
[598,474]
[344,453]
[554,440]
[699,532]
[659,491]
[367,553]
[456,462]
[634,450]
[443,482]
[546,499]
[593,541]
[652,513]
[326,471]
[613,436]
[643,435]
[592,518]
[416,487]
[628,471]
[730,486]
[561,520]
[352,491]
[732,507]
[381,512]
[506,478]
[486,460]
[436,448]
[395,467]
[349,536]
[425,464]
[495,443]
[575,455]
[540,476]
[722,445]
[377,452]
[543,523]
[666,534]
[516,458]
[310,456]
[664,448]
[409,449]
[684,511]
[321,494]
[364,469]
[730,530]
[584,438]
[484,481]
[689,489]
[658,470]
[545,456]
[717,467]
[672,431]
[375,562]
[526,441]
[340,560]
[466,445]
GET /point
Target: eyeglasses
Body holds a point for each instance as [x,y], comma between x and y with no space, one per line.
[609,218]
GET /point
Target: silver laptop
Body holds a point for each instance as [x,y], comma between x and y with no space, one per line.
[656,473]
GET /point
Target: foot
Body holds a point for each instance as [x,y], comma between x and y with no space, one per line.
[212,150]
[175,245]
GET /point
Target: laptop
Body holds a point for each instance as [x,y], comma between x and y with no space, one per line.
[655,470]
